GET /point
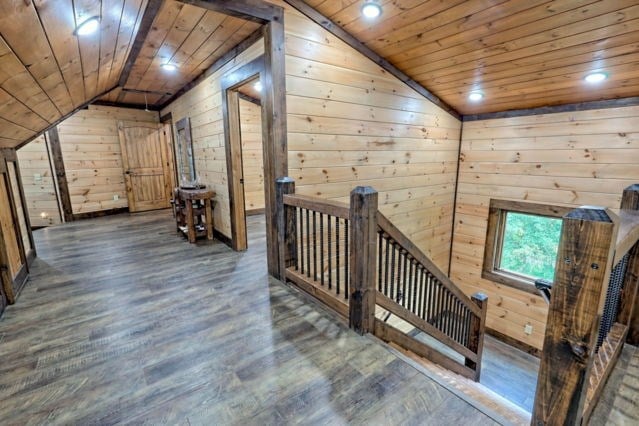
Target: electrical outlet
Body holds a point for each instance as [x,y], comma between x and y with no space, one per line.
[528,329]
[116,197]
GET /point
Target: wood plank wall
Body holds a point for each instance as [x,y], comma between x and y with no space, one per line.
[93,158]
[203,105]
[252,158]
[349,124]
[40,193]
[571,159]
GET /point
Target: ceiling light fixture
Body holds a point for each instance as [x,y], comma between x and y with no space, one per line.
[371,10]
[87,27]
[169,67]
[258,86]
[596,77]
[476,96]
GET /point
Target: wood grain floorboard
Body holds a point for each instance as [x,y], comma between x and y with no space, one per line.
[123,322]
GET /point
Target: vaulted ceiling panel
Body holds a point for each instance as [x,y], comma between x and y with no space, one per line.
[520,54]
[189,37]
[46,71]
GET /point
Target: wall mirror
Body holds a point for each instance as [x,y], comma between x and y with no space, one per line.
[184,150]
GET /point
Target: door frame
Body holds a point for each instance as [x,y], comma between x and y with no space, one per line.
[233,148]
[273,103]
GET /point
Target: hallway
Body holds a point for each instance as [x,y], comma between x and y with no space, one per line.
[124,322]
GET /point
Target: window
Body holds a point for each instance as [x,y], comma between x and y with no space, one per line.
[521,243]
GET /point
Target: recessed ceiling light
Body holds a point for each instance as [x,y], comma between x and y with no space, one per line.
[596,77]
[258,86]
[89,26]
[371,10]
[476,96]
[169,66]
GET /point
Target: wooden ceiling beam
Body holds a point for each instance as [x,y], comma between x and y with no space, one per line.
[251,10]
[151,11]
[349,39]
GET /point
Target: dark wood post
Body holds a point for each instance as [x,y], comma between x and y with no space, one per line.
[53,139]
[286,226]
[628,313]
[584,261]
[477,332]
[362,257]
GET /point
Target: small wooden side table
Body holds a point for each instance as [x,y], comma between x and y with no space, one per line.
[190,206]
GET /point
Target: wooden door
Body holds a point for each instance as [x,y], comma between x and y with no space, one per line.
[12,264]
[146,165]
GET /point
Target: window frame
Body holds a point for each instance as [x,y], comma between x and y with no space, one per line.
[495,237]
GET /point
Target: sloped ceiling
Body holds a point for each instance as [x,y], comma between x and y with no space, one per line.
[46,71]
[187,36]
[519,53]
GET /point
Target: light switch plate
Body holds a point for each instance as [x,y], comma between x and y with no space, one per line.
[116,197]
[528,329]
[37,177]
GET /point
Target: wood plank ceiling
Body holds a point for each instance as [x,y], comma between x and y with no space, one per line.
[46,71]
[520,54]
[190,37]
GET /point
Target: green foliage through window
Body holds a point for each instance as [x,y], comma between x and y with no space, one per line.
[530,245]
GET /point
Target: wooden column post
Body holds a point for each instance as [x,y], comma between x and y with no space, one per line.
[584,261]
[61,177]
[362,257]
[286,227]
[628,313]
[477,332]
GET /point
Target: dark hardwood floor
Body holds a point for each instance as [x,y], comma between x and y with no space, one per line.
[125,322]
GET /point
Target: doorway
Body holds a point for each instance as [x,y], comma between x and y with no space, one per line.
[147,165]
[247,156]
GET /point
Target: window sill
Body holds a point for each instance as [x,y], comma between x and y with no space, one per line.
[511,281]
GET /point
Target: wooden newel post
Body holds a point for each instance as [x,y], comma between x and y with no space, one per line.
[584,261]
[477,332]
[628,312]
[363,255]
[286,227]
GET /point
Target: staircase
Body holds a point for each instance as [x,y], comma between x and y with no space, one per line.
[355,261]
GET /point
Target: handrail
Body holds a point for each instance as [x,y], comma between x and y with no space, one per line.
[397,235]
[319,205]
[628,233]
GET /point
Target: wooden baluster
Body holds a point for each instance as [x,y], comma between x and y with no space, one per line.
[387,270]
[422,293]
[286,226]
[337,280]
[392,273]
[415,293]
[347,261]
[301,253]
[583,267]
[406,279]
[379,261]
[476,333]
[314,246]
[628,311]
[308,243]
[321,218]
[329,233]
[363,218]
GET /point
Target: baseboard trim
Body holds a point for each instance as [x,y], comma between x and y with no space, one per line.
[100,213]
[514,342]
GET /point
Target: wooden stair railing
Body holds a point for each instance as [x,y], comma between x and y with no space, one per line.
[353,259]
[592,310]
[412,287]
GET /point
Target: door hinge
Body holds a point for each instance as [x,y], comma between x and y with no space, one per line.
[242,181]
[4,268]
